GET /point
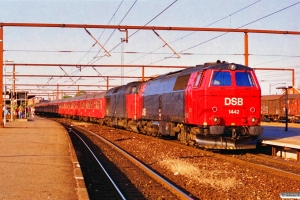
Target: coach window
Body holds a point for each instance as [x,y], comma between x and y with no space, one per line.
[243,79]
[221,78]
[198,80]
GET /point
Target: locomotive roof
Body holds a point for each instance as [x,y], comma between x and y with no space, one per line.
[206,66]
[221,66]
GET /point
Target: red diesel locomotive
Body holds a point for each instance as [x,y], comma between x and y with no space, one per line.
[215,106]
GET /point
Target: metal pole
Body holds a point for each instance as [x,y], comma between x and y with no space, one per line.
[57,92]
[12,95]
[143,73]
[286,109]
[25,102]
[4,102]
[286,104]
[122,59]
[246,48]
[107,83]
[1,78]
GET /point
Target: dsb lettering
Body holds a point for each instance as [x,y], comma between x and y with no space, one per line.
[233,101]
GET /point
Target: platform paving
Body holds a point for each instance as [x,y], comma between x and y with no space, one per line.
[275,134]
[37,161]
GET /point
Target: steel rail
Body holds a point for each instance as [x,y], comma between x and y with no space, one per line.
[95,157]
[265,168]
[275,160]
[146,169]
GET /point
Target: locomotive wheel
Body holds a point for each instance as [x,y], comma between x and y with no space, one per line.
[190,142]
[154,134]
[182,137]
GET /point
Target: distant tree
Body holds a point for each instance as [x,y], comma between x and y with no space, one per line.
[66,96]
[80,93]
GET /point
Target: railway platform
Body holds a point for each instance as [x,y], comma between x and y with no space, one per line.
[283,143]
[37,161]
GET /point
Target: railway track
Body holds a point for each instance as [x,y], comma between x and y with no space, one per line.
[99,183]
[140,183]
[218,175]
[275,165]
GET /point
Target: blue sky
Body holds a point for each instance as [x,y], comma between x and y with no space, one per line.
[42,45]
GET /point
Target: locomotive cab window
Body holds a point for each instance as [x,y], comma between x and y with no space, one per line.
[221,78]
[198,80]
[133,90]
[244,79]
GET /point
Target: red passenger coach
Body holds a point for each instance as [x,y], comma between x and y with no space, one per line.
[97,106]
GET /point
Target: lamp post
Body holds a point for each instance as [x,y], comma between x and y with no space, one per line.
[11,93]
[286,104]
[270,85]
[4,102]
[13,85]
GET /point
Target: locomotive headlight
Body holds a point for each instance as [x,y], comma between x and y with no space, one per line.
[253,120]
[216,119]
[232,66]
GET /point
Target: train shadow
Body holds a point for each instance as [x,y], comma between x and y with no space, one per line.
[123,139]
[237,151]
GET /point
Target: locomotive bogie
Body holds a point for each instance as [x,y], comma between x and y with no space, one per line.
[216,130]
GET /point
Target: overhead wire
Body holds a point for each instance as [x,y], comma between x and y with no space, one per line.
[130,35]
[236,28]
[195,31]
[205,26]
[75,72]
[102,31]
[144,25]
[139,30]
[274,61]
[115,29]
[111,34]
[214,37]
